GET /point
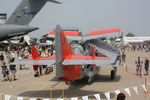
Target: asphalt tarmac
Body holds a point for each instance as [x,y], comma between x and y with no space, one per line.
[28,86]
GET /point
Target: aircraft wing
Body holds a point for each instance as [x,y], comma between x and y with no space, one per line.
[85,60]
[38,61]
[90,36]
[99,34]
[54,1]
[77,38]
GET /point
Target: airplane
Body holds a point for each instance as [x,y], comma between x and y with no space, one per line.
[17,23]
[75,61]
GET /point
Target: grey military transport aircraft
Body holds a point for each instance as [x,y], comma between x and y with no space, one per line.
[17,23]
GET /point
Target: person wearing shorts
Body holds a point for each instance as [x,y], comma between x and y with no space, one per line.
[146,65]
[138,65]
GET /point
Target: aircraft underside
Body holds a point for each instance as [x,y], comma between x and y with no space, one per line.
[73,73]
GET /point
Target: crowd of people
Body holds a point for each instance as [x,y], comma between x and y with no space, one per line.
[139,62]
[17,52]
[136,47]
[10,72]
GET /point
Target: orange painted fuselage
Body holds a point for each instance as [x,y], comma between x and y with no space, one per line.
[72,72]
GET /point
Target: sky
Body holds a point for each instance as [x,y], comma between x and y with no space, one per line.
[89,15]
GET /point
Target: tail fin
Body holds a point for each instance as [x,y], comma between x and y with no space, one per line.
[26,11]
[62,48]
[35,53]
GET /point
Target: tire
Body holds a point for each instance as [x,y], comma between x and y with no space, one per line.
[112,75]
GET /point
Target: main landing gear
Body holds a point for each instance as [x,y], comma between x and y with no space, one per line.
[113,73]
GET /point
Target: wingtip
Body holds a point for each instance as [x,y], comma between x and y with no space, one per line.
[54,1]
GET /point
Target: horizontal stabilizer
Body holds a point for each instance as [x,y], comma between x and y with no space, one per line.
[40,61]
[87,62]
[81,60]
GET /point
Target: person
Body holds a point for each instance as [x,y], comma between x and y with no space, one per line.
[96,52]
[5,72]
[123,58]
[41,70]
[21,66]
[138,65]
[121,96]
[146,65]
[1,57]
[13,69]
[13,56]
[119,57]
[36,72]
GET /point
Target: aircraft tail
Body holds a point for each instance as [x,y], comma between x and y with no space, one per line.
[63,49]
[25,12]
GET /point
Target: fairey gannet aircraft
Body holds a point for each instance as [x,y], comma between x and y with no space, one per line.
[75,61]
[17,23]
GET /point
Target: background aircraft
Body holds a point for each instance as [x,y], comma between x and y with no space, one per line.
[17,23]
[75,61]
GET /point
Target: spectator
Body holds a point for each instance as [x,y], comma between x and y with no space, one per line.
[36,72]
[1,57]
[21,66]
[41,70]
[138,65]
[121,96]
[146,65]
[13,69]
[123,57]
[13,55]
[5,72]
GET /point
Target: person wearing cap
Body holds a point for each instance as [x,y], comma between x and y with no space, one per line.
[121,96]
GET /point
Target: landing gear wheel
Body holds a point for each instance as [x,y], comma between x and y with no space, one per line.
[68,82]
[112,75]
[89,81]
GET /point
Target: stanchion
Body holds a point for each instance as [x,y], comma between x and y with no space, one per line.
[146,92]
[145,81]
[3,97]
[51,94]
[126,68]
[140,73]
[63,93]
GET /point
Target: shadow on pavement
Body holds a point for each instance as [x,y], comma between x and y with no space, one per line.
[74,90]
